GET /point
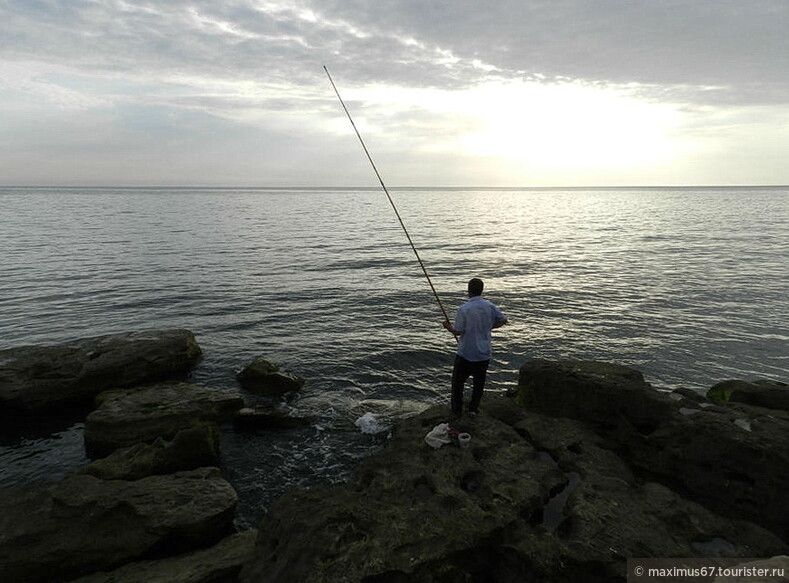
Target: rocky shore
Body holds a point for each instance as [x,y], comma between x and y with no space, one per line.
[585,466]
[153,500]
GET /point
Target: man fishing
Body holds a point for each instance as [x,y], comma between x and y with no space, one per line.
[473,323]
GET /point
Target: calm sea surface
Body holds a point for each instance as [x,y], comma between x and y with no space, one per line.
[690,286]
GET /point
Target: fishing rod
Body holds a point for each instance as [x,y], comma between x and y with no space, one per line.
[391,201]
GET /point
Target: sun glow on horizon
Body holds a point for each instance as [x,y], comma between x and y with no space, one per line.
[572,126]
[554,131]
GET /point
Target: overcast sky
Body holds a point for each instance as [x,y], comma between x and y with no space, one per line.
[445,93]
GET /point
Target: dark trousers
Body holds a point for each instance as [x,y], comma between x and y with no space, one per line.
[460,373]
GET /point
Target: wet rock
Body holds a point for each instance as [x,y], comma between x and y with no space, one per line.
[82,524]
[190,448]
[126,417]
[220,563]
[37,377]
[262,377]
[762,393]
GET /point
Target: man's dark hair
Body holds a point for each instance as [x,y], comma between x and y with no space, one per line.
[475,287]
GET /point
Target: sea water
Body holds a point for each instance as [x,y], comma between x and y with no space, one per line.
[689,286]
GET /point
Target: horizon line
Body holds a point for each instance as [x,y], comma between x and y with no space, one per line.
[378,187]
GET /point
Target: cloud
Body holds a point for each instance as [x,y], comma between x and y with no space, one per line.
[738,47]
[420,77]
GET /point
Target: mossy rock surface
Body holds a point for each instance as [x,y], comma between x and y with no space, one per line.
[761,393]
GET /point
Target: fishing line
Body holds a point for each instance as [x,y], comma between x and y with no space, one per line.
[391,201]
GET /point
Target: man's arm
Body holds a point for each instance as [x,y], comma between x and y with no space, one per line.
[500,323]
[448,325]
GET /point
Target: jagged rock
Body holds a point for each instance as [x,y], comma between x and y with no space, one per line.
[734,459]
[130,416]
[265,378]
[762,393]
[82,524]
[612,515]
[190,448]
[36,377]
[220,563]
[412,513]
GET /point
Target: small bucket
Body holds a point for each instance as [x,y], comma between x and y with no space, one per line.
[463,440]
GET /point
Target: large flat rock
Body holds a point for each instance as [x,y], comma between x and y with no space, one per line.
[82,524]
[38,377]
[125,417]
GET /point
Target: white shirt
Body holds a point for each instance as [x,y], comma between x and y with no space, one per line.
[475,319]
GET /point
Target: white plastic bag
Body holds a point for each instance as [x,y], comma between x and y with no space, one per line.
[369,423]
[438,436]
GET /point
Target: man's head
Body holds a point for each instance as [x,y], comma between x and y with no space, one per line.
[475,287]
